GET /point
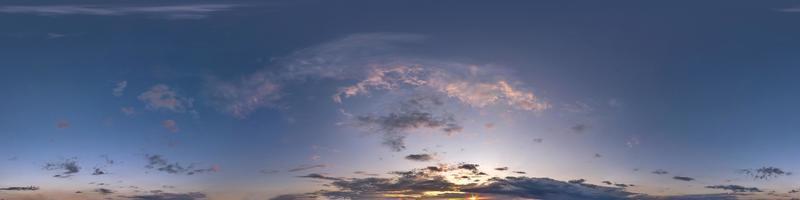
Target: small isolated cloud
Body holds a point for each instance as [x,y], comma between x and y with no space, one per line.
[501,168]
[683,178]
[319,176]
[69,167]
[170,196]
[178,11]
[27,188]
[538,140]
[765,173]
[632,142]
[118,91]
[159,163]
[104,191]
[660,172]
[419,157]
[162,97]
[98,171]
[62,124]
[306,167]
[128,111]
[578,107]
[267,171]
[579,128]
[734,188]
[240,99]
[597,155]
[170,125]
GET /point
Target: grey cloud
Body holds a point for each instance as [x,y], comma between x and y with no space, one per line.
[28,188]
[545,188]
[69,167]
[501,168]
[104,191]
[394,126]
[765,173]
[159,163]
[419,157]
[734,188]
[319,176]
[178,11]
[579,128]
[683,178]
[660,172]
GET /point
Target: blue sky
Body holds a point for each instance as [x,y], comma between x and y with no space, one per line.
[310,99]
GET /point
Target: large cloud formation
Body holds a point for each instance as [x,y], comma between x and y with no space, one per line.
[377,64]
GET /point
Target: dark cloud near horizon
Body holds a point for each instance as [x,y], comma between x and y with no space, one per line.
[26,188]
[683,178]
[170,196]
[734,188]
[104,191]
[176,11]
[419,157]
[546,188]
[501,168]
[319,176]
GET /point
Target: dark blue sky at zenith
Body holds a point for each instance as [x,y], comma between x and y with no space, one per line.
[142,99]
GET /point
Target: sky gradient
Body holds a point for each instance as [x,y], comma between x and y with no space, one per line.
[247,100]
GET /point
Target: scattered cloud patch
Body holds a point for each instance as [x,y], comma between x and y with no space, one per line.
[170,196]
[683,178]
[119,89]
[162,97]
[765,173]
[170,125]
[62,124]
[159,163]
[69,167]
[320,176]
[104,191]
[240,99]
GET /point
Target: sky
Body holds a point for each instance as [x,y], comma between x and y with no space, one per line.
[445,99]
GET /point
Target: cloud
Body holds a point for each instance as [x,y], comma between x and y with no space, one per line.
[98,171]
[545,188]
[28,188]
[394,126]
[62,124]
[765,173]
[306,167]
[170,125]
[579,128]
[159,163]
[117,91]
[660,172]
[178,11]
[501,168]
[104,191]
[538,140]
[419,157]
[162,97]
[683,178]
[734,188]
[265,171]
[128,111]
[240,99]
[69,167]
[320,176]
[170,196]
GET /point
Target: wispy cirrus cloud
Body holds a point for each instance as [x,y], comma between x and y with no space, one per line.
[306,167]
[175,11]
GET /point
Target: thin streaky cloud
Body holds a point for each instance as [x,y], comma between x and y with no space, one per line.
[182,11]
